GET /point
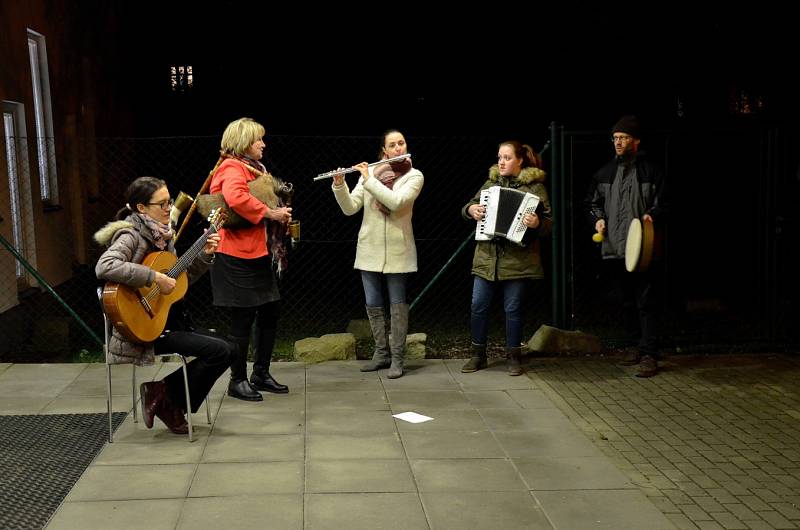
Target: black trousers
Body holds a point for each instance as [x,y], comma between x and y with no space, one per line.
[640,302]
[212,356]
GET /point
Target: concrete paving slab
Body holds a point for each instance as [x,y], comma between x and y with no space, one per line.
[418,401]
[359,476]
[345,421]
[12,405]
[360,400]
[247,478]
[353,446]
[546,442]
[364,511]
[259,418]
[445,420]
[478,474]
[119,515]
[113,483]
[571,472]
[254,448]
[283,511]
[509,510]
[41,372]
[175,450]
[451,444]
[602,509]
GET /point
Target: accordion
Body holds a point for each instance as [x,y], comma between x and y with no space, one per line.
[505,208]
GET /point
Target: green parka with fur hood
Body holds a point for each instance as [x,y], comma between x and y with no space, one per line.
[500,259]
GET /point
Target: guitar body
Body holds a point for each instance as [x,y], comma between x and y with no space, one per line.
[138,321]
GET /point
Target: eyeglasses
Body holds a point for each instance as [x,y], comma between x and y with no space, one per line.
[164,205]
[621,138]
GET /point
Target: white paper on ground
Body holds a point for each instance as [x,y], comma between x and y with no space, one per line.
[412,417]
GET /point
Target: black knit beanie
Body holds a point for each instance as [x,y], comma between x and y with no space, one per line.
[628,125]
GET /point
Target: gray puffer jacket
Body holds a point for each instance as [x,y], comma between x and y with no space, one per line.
[129,241]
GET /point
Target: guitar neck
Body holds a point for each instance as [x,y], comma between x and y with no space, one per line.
[184,261]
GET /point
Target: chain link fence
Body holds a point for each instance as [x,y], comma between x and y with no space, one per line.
[321,291]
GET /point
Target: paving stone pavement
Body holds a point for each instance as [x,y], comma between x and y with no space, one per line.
[713,441]
[330,455]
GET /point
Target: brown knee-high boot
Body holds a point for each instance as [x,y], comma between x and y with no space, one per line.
[398,339]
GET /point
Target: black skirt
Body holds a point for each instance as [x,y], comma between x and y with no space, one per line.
[240,282]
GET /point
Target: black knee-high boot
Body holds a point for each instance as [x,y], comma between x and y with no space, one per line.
[264,341]
[240,387]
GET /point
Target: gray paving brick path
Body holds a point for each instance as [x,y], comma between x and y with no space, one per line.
[713,441]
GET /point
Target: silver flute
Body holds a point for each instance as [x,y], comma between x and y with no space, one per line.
[330,174]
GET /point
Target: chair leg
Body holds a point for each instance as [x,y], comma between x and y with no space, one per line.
[208,410]
[133,386]
[110,405]
[188,400]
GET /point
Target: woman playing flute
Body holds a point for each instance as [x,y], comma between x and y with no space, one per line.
[386,251]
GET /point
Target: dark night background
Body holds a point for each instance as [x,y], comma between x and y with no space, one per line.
[495,68]
[714,87]
[706,81]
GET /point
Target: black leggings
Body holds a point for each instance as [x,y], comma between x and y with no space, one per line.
[212,356]
[265,317]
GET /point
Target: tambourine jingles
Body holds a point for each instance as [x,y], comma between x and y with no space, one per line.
[639,245]
[262,188]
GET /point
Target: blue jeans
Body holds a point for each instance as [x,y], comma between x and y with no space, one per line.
[513,299]
[373,288]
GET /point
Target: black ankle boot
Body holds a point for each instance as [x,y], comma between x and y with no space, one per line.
[243,390]
[264,381]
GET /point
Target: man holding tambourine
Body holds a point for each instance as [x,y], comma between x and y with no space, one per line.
[626,202]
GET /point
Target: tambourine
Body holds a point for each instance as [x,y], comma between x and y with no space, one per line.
[639,245]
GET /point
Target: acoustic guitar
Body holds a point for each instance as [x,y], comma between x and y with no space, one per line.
[140,313]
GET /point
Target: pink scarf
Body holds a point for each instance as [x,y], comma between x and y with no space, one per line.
[161,232]
[387,173]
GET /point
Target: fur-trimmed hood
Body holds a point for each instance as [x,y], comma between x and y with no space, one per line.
[106,234]
[529,175]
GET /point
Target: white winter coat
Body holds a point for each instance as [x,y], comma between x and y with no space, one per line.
[385,242]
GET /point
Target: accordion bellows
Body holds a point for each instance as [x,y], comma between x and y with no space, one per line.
[505,208]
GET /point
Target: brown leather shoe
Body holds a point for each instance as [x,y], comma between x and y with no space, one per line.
[631,357]
[648,367]
[172,417]
[151,394]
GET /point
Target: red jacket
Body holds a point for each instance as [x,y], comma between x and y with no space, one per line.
[248,242]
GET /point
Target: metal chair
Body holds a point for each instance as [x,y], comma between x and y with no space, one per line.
[107,335]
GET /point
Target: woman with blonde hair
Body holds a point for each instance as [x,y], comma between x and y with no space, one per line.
[243,279]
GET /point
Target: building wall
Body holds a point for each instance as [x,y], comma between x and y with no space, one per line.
[79,56]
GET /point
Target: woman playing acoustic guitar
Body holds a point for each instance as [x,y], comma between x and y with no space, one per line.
[140,228]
